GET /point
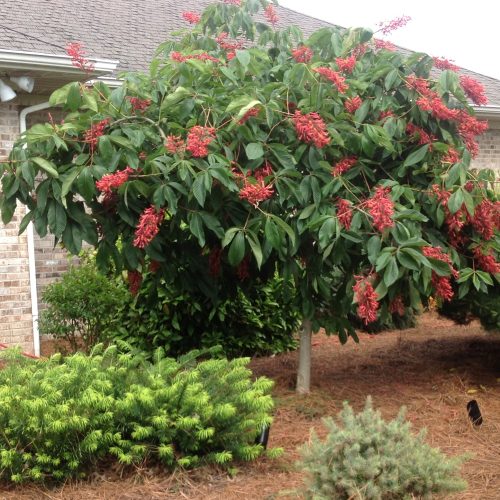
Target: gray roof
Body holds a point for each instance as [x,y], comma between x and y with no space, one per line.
[127,30]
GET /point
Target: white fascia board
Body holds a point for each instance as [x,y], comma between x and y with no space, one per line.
[487,110]
[57,63]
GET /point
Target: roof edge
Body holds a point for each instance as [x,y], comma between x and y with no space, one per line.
[57,63]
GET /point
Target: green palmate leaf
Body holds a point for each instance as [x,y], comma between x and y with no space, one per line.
[254,150]
[273,235]
[243,57]
[237,249]
[56,217]
[391,272]
[74,98]
[456,201]
[373,247]
[255,247]
[417,156]
[47,166]
[196,228]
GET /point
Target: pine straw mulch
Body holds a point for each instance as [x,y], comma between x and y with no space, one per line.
[434,369]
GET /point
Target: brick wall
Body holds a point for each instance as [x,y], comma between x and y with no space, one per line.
[489,148]
[15,298]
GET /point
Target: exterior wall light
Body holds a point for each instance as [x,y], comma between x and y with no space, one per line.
[25,83]
[6,93]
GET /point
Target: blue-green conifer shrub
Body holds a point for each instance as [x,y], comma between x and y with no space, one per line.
[366,458]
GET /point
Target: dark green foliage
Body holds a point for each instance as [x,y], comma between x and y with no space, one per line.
[368,458]
[485,307]
[82,306]
[261,320]
[59,417]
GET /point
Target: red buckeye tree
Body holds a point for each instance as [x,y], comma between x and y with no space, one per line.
[247,150]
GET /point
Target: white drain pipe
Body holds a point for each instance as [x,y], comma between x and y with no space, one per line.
[31,241]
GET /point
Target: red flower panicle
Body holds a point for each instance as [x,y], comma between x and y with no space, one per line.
[384,45]
[203,56]
[271,15]
[148,227]
[381,208]
[452,156]
[175,144]
[486,262]
[265,171]
[420,134]
[438,254]
[468,128]
[344,165]
[359,50]
[385,114]
[346,65]
[441,284]
[113,181]
[366,297]
[311,129]
[78,57]
[154,265]
[214,261]
[139,104]
[344,213]
[351,105]
[433,104]
[225,43]
[335,77]
[442,287]
[256,193]
[94,132]
[387,27]
[473,90]
[302,54]
[483,220]
[420,85]
[134,281]
[443,63]
[249,114]
[243,269]
[191,17]
[396,306]
[198,140]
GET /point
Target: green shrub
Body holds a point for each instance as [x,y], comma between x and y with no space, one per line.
[261,320]
[368,458]
[59,417]
[82,306]
[485,307]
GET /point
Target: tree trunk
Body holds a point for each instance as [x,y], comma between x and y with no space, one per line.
[304,370]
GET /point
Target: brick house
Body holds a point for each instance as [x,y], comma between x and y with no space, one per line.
[33,36]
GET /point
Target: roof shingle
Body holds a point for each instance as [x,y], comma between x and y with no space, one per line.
[127,30]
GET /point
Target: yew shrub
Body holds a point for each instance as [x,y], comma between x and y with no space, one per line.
[248,149]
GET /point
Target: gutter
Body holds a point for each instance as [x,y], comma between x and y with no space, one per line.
[487,111]
[31,241]
[55,63]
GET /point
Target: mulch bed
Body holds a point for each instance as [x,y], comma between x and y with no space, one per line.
[434,369]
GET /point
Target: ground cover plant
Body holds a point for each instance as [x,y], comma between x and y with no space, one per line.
[248,150]
[61,417]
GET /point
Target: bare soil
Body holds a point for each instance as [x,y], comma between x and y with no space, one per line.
[434,369]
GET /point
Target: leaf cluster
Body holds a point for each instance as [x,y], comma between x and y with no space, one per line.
[297,230]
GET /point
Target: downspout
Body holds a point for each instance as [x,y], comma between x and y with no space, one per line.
[31,241]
